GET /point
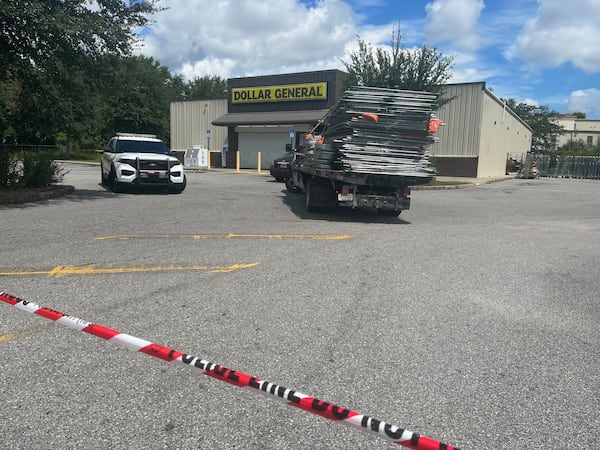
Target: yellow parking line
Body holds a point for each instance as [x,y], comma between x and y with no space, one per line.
[10,337]
[21,334]
[66,270]
[329,237]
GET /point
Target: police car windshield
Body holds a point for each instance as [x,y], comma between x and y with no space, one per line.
[141,147]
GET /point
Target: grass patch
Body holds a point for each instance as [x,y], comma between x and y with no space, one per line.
[77,155]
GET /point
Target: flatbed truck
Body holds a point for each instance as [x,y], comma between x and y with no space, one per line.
[388,194]
[369,149]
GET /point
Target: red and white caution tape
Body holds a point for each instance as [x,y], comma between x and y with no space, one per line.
[294,398]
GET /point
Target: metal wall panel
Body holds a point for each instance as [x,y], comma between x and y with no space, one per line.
[190,120]
[462,116]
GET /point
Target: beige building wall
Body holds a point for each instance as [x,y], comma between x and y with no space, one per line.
[191,119]
[461,116]
[587,130]
[502,132]
[479,133]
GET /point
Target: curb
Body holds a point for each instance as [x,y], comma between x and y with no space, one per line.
[421,187]
[37,194]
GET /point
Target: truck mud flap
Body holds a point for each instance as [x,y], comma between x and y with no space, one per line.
[319,195]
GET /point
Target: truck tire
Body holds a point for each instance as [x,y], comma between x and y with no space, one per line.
[103,181]
[291,186]
[113,183]
[309,197]
[178,188]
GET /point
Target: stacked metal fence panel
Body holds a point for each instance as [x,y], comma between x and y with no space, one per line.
[578,167]
[540,161]
[379,131]
[564,166]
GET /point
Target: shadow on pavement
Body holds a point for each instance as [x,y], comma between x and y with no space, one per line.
[295,202]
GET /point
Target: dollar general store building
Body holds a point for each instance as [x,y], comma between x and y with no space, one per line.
[268,114]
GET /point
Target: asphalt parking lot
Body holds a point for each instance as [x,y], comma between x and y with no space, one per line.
[472,318]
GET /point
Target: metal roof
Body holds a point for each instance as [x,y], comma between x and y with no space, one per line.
[271,118]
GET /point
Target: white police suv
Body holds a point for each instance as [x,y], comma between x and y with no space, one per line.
[140,160]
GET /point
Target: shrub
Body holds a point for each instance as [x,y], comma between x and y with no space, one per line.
[40,170]
[9,173]
[31,170]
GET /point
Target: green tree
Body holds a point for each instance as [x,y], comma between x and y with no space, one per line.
[39,32]
[33,112]
[540,120]
[135,96]
[177,88]
[579,148]
[44,102]
[206,87]
[9,90]
[47,51]
[419,69]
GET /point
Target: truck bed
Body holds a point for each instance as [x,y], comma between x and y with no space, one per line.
[364,179]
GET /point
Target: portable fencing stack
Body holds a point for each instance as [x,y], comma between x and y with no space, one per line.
[380,131]
[577,167]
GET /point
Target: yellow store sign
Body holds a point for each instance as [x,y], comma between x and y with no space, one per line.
[284,93]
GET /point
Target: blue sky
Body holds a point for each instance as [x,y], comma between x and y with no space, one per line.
[543,52]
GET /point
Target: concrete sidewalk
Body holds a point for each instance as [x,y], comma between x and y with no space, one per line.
[452,182]
[462,182]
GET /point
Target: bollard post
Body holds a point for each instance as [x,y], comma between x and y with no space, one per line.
[258,164]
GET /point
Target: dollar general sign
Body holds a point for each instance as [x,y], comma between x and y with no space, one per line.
[283,93]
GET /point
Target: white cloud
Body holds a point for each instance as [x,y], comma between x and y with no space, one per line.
[238,38]
[500,44]
[530,101]
[470,75]
[206,67]
[468,69]
[454,21]
[560,33]
[585,100]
